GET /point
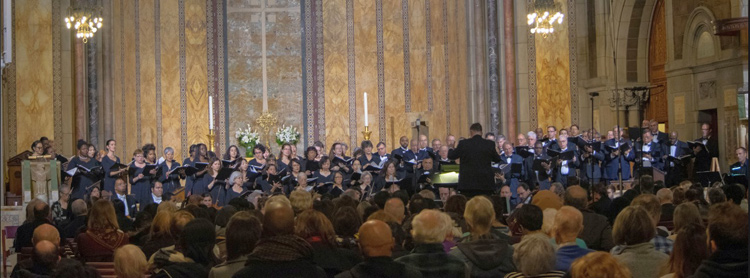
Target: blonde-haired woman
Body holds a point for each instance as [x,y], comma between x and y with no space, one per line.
[598,265]
[130,262]
[103,234]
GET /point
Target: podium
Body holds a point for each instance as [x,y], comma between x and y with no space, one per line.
[40,179]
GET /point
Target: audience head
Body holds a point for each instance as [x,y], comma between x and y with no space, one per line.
[545,199]
[346,221]
[727,228]
[41,211]
[179,219]
[633,226]
[395,207]
[278,220]
[222,217]
[598,265]
[45,254]
[79,208]
[479,215]
[130,262]
[688,252]
[197,241]
[716,196]
[523,191]
[651,204]
[46,232]
[380,198]
[568,224]
[102,216]
[530,218]
[678,195]
[375,239]
[534,255]
[300,201]
[735,193]
[686,214]
[429,226]
[548,221]
[455,204]
[575,196]
[664,195]
[311,223]
[243,232]
[647,184]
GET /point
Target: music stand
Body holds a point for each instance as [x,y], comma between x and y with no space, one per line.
[707,178]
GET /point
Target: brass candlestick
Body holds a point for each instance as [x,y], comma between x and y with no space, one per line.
[211,136]
[366,134]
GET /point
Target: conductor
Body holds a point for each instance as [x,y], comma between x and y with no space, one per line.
[476,176]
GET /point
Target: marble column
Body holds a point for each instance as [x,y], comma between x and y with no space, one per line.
[492,61]
[92,94]
[478,105]
[106,70]
[81,122]
[510,69]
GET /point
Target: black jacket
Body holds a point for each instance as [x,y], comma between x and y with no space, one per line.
[477,155]
[724,263]
[184,269]
[279,269]
[597,233]
[378,267]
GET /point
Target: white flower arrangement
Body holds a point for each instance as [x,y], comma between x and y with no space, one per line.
[247,138]
[287,134]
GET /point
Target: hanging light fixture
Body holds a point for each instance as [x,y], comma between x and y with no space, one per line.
[86,18]
[546,14]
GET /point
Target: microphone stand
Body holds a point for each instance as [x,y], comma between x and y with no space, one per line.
[591,135]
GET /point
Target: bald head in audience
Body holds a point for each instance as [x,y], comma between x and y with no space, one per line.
[46,232]
[575,196]
[375,239]
[664,195]
[45,254]
[79,207]
[568,224]
[429,226]
[395,208]
[278,219]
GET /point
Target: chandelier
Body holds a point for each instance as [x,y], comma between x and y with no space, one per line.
[85,18]
[546,14]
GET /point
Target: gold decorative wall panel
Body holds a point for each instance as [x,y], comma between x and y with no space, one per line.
[197,97]
[335,70]
[33,59]
[396,124]
[553,76]
[131,130]
[147,70]
[437,69]
[170,76]
[118,99]
[365,49]
[418,62]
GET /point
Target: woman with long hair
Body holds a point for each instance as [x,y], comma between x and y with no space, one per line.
[232,155]
[315,228]
[103,234]
[285,154]
[690,249]
[209,184]
[388,175]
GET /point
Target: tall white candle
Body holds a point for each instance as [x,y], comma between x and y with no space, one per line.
[366,117]
[210,112]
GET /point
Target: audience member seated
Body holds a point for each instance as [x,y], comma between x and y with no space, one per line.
[78,222]
[395,207]
[598,265]
[130,262]
[40,216]
[597,233]
[568,224]
[601,201]
[72,268]
[161,257]
[376,243]
[316,229]
[102,234]
[280,253]
[728,241]
[125,223]
[633,231]
[455,206]
[300,201]
[221,220]
[716,196]
[429,229]
[653,207]
[346,221]
[485,254]
[667,207]
[193,253]
[160,234]
[43,233]
[736,194]
[534,256]
[61,212]
[243,232]
[685,214]
[690,249]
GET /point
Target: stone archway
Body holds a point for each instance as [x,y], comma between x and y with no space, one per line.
[657,59]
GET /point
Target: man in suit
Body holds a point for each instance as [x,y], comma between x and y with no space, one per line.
[122,194]
[423,144]
[676,169]
[649,154]
[157,194]
[565,168]
[382,154]
[590,159]
[403,148]
[539,178]
[450,141]
[614,157]
[551,137]
[703,156]
[658,136]
[512,179]
[477,154]
[741,167]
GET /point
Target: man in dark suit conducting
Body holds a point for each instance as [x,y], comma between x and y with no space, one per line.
[476,176]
